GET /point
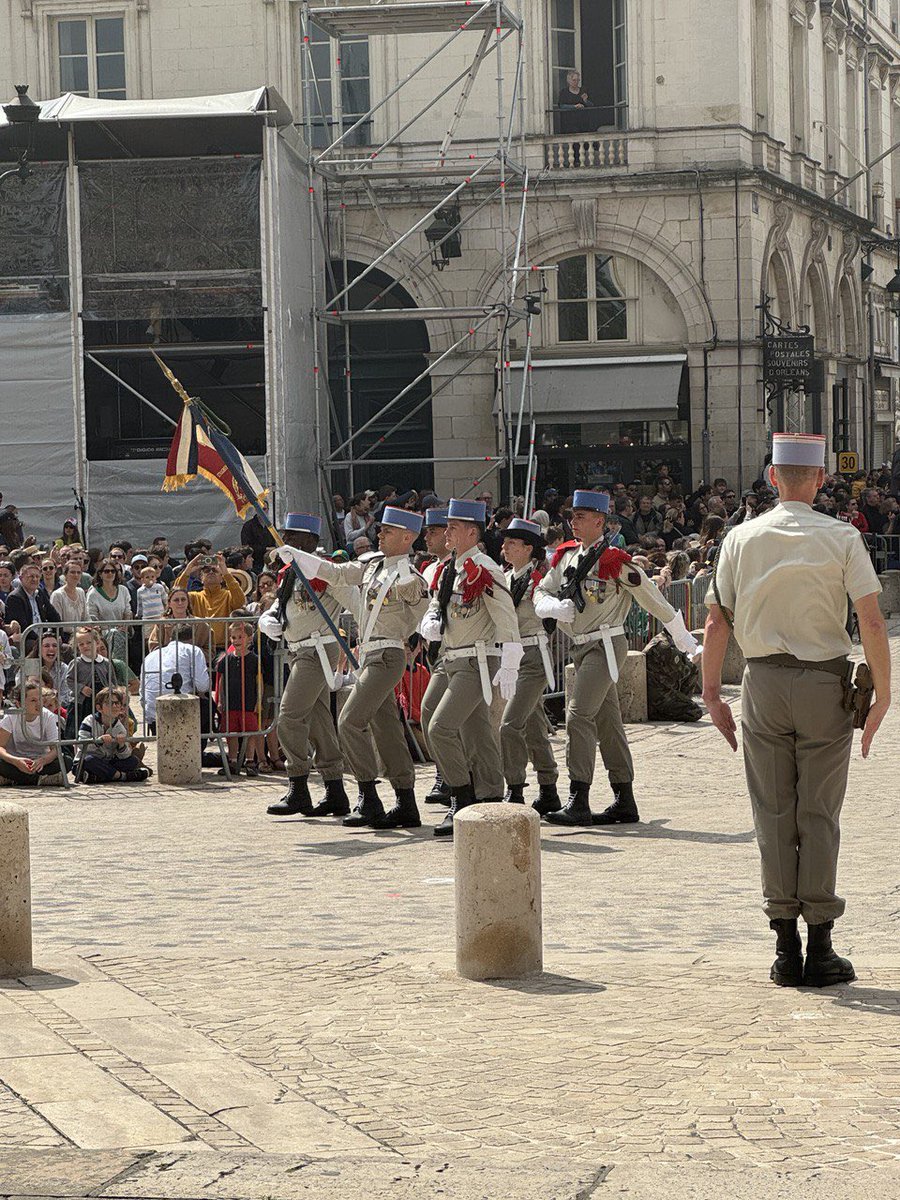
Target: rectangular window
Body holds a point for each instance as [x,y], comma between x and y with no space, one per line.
[91,56]
[588,38]
[591,304]
[347,60]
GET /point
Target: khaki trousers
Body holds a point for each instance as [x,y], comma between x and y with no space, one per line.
[305,716]
[593,717]
[797,742]
[524,729]
[372,709]
[459,731]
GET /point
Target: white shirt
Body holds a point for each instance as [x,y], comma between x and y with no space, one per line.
[30,739]
[160,665]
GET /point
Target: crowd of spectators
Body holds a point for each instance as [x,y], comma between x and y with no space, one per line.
[135,617]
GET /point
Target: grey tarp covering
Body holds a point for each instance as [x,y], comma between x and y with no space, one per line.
[34,250]
[291,360]
[126,499]
[639,390]
[37,467]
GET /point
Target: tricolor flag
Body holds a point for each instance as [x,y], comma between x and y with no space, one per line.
[198,448]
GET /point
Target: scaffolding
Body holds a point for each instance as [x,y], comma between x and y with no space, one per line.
[491,174]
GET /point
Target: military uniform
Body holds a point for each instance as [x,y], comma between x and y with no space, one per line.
[599,647]
[524,728]
[478,621]
[785,577]
[304,716]
[393,598]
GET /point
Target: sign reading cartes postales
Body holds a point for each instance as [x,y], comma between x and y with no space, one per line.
[788,358]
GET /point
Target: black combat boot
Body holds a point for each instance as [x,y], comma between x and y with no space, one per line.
[823,967]
[462,797]
[335,803]
[787,969]
[515,794]
[623,810]
[404,814]
[578,809]
[548,800]
[440,791]
[368,810]
[297,799]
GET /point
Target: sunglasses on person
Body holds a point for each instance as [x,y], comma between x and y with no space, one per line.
[109,571]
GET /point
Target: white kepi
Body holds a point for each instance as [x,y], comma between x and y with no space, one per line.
[798,450]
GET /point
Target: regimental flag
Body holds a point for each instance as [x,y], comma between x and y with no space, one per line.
[198,448]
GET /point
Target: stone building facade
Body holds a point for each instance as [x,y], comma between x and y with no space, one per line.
[706,172]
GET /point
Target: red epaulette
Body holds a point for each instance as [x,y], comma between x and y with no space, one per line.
[477,582]
[611,563]
[437,577]
[561,551]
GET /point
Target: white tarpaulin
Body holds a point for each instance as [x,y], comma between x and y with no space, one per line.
[232,104]
[37,468]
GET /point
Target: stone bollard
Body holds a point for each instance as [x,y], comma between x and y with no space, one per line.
[178,744]
[15,892]
[497,857]
[734,664]
[889,598]
[632,687]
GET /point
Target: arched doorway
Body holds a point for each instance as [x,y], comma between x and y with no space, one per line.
[385,357]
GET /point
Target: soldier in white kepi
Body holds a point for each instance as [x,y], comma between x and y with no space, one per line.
[589,589]
[436,545]
[782,583]
[305,713]
[473,617]
[393,598]
[524,728]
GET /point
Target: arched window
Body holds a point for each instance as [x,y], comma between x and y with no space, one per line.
[591,298]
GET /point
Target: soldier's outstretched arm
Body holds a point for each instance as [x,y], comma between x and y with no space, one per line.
[715,643]
[873,632]
[651,598]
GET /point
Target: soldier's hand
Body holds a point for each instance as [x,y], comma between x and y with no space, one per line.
[723,719]
[877,713]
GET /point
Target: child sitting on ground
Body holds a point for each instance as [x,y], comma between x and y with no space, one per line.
[107,755]
[237,695]
[29,742]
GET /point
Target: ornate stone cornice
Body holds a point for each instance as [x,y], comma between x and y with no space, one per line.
[784,216]
[817,239]
[584,217]
[803,11]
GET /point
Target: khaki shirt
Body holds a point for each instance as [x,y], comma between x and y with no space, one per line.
[607,601]
[489,617]
[302,619]
[530,624]
[405,601]
[786,577]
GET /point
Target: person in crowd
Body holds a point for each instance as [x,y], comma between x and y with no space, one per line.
[256,535]
[54,668]
[12,535]
[870,507]
[178,656]
[219,596]
[107,756]
[69,533]
[109,600]
[30,753]
[87,674]
[359,519]
[69,599]
[665,491]
[493,534]
[49,576]
[647,519]
[7,574]
[361,546]
[624,509]
[177,611]
[27,604]
[152,595]
[237,696]
[264,593]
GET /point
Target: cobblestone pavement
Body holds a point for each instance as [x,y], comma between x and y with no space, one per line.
[221,983]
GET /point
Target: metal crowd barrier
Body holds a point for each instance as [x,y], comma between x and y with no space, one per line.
[884,550]
[142,657]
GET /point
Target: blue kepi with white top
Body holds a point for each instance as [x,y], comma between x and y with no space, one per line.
[595,501]
[467,510]
[401,519]
[436,518]
[302,523]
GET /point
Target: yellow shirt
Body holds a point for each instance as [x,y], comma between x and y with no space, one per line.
[219,604]
[786,577]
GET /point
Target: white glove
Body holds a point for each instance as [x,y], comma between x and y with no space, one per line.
[549,608]
[684,641]
[508,675]
[430,627]
[342,680]
[308,563]
[271,626]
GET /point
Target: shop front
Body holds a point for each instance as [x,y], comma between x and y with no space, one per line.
[605,421]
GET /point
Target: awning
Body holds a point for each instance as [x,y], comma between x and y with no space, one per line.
[259,102]
[567,391]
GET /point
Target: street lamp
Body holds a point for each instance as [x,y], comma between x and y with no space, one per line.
[22,115]
[443,237]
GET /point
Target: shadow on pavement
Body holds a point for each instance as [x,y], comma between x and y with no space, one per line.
[869,999]
[658,829]
[358,845]
[560,844]
[38,981]
[548,984]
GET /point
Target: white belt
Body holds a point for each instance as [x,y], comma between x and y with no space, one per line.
[480,652]
[540,640]
[604,634]
[374,644]
[318,641]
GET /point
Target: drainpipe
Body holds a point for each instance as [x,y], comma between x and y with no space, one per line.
[740,336]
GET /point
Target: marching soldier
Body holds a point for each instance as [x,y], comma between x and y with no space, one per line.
[305,713]
[472,615]
[524,728]
[589,588]
[436,545]
[393,598]
[782,582]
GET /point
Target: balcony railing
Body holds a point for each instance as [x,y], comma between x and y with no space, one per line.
[585,152]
